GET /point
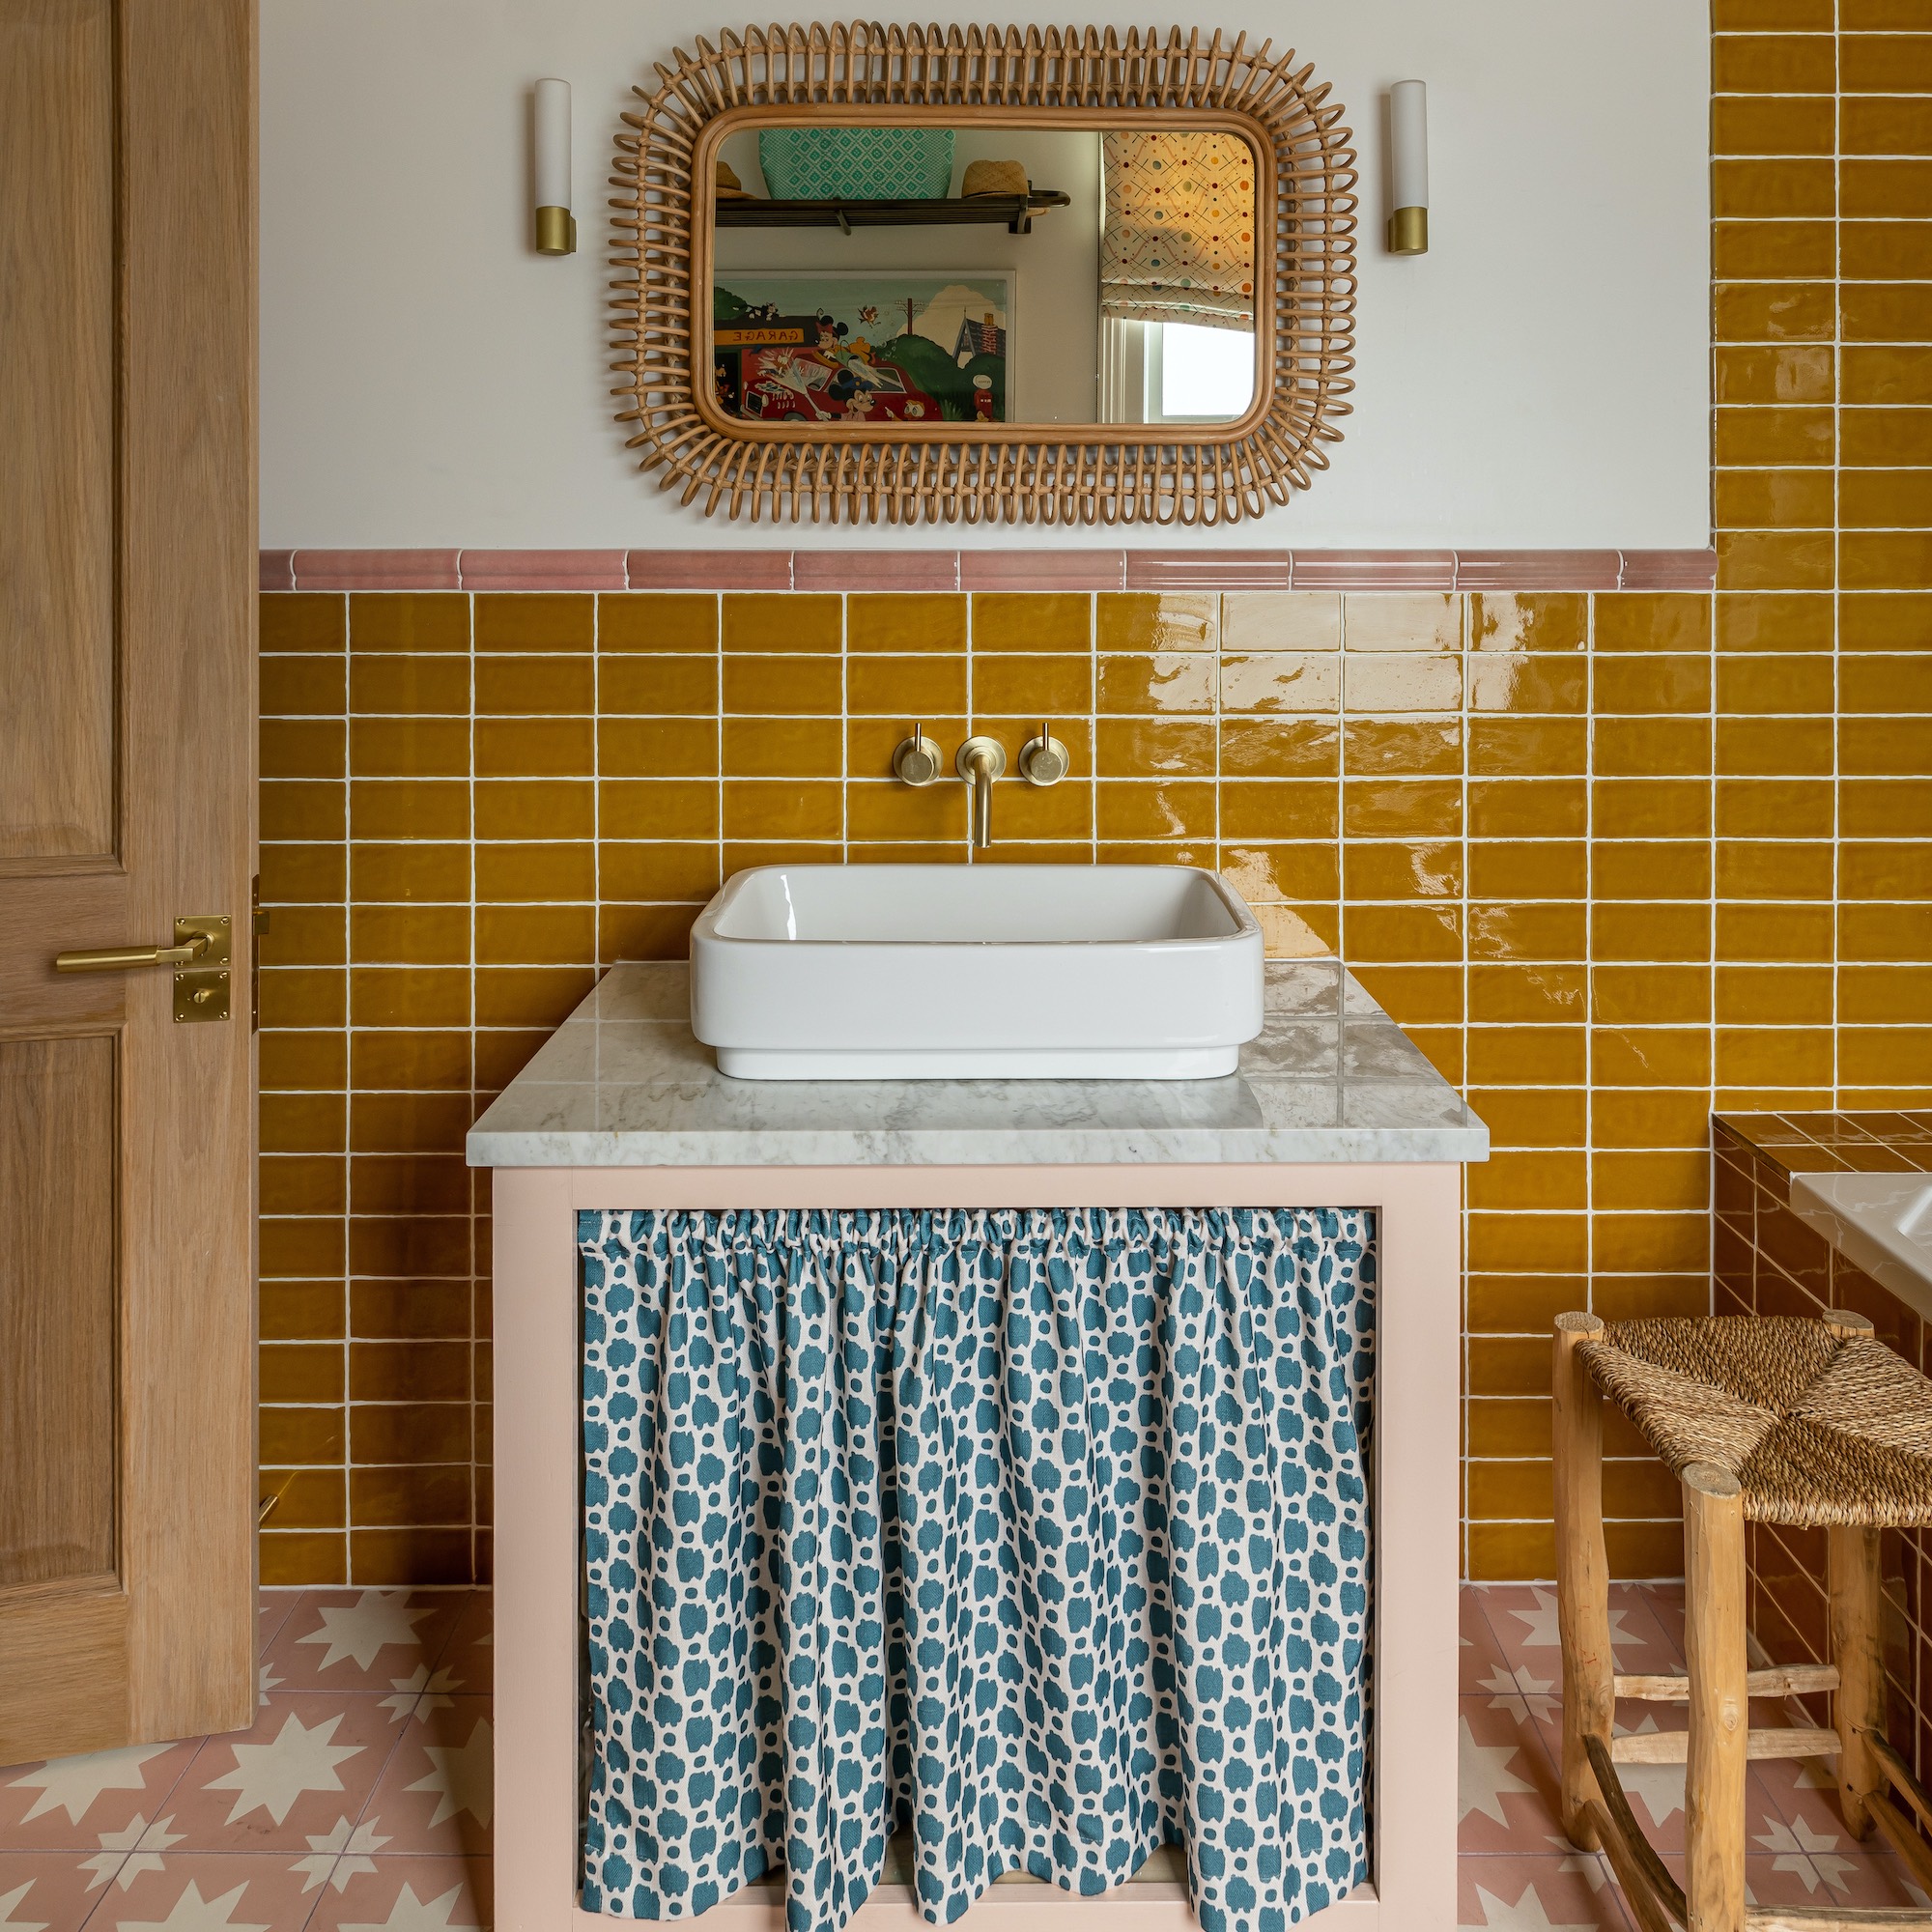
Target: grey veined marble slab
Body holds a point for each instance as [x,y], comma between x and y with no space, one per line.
[622,1083]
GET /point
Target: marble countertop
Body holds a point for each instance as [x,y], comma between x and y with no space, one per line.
[622,1083]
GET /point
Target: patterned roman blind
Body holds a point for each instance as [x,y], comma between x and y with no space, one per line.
[1179,241]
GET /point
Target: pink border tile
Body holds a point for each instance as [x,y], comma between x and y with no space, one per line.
[275,570]
[1375,570]
[1042,569]
[377,570]
[1669,570]
[709,569]
[544,570]
[1537,569]
[1209,569]
[875,570]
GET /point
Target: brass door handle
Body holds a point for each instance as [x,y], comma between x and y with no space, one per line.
[119,958]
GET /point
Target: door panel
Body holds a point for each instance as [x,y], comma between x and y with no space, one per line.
[57,400]
[57,1310]
[126,802]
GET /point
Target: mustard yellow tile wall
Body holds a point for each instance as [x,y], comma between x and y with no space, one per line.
[1613,859]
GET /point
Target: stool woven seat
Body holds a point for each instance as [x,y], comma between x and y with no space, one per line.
[1819,1428]
[1814,1424]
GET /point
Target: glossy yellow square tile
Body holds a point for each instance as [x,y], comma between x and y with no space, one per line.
[527,685]
[408,621]
[409,935]
[1281,681]
[1402,869]
[658,870]
[301,747]
[544,870]
[1154,747]
[1399,746]
[1304,869]
[1397,622]
[1528,808]
[1029,622]
[805,748]
[1264,808]
[907,687]
[536,621]
[1397,682]
[1149,621]
[422,871]
[657,748]
[782,809]
[657,809]
[1529,684]
[1528,869]
[1266,623]
[657,682]
[532,748]
[408,748]
[309,686]
[1174,681]
[410,808]
[1647,870]
[657,620]
[1279,748]
[1528,746]
[1392,809]
[905,623]
[783,684]
[1044,686]
[774,623]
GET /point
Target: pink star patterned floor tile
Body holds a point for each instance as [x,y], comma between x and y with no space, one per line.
[307,1762]
[75,1802]
[434,1795]
[202,1892]
[470,1655]
[53,1889]
[1508,1796]
[1480,1655]
[362,1640]
[1552,1894]
[410,1895]
[273,1609]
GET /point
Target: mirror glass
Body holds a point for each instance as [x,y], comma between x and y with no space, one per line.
[927,274]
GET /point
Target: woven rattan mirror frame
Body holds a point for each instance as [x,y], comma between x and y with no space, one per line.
[1013,472]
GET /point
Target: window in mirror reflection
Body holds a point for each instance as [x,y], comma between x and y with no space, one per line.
[1196,374]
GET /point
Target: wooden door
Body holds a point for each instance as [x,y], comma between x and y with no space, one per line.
[126,802]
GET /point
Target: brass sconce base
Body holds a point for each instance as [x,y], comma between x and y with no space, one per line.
[556,232]
[1409,232]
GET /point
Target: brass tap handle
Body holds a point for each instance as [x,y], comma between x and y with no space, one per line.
[917,760]
[1045,760]
[120,958]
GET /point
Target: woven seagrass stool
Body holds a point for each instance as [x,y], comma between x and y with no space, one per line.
[1777,1420]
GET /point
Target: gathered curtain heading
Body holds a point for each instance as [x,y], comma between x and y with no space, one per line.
[1179,239]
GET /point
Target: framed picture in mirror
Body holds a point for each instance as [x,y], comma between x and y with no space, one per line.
[821,231]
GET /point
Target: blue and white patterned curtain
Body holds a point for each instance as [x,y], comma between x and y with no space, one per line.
[1043,1532]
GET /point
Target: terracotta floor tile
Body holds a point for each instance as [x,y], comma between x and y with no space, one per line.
[434,1795]
[210,1893]
[470,1655]
[1481,1655]
[73,1803]
[1524,1618]
[308,1762]
[364,1639]
[1508,1798]
[50,1888]
[1569,1893]
[273,1609]
[410,1896]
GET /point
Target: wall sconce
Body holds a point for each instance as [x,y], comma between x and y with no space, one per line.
[1409,168]
[557,226]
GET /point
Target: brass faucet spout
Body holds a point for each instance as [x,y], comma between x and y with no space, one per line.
[979,762]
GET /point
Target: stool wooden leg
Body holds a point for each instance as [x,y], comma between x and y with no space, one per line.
[1583,1570]
[1858,1604]
[1714,1608]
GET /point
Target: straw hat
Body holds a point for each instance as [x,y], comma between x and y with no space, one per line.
[729,186]
[994,178]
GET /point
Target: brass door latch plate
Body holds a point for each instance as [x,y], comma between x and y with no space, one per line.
[201,991]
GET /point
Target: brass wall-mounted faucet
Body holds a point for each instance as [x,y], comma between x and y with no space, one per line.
[1043,761]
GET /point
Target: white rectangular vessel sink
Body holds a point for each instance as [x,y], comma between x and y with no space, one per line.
[975,973]
[1882,1222]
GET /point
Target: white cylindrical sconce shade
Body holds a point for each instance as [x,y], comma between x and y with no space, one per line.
[556,225]
[1409,168]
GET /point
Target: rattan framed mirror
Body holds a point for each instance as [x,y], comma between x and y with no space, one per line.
[822,463]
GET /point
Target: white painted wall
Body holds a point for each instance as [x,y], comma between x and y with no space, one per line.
[1539,380]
